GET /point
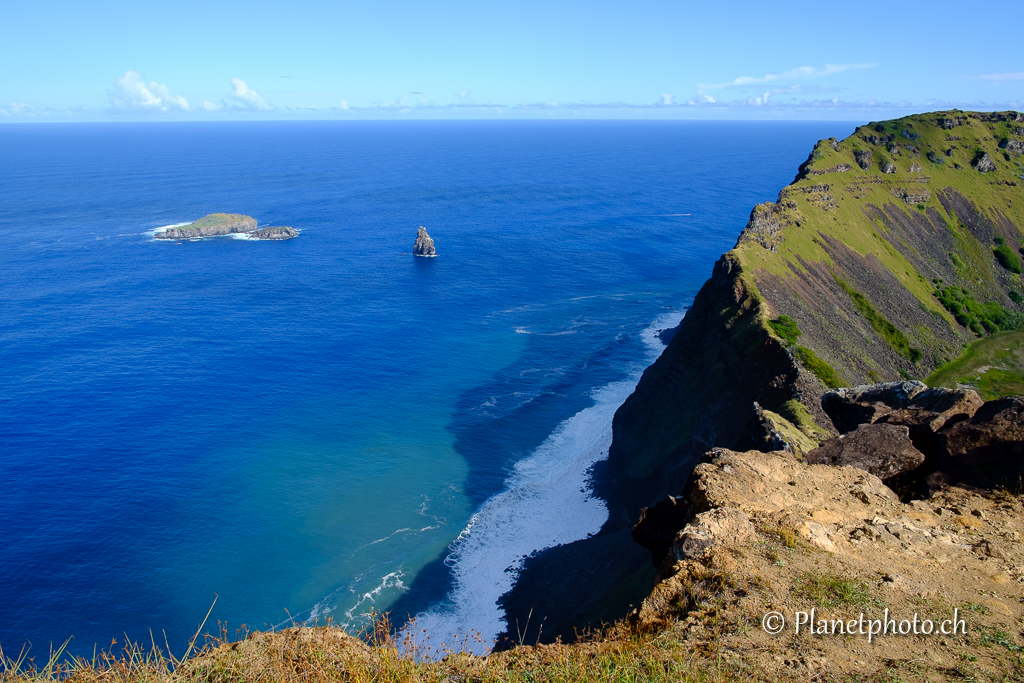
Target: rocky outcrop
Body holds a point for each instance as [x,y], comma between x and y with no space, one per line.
[274,233]
[764,227]
[851,407]
[771,534]
[1015,146]
[220,224]
[983,163]
[884,450]
[719,527]
[988,448]
[424,244]
[211,225]
[863,158]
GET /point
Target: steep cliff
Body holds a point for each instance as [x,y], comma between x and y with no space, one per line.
[848,278]
[889,252]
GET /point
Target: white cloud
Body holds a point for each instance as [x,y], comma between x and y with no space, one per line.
[792,74]
[132,93]
[667,99]
[213,106]
[1013,76]
[18,109]
[344,104]
[250,98]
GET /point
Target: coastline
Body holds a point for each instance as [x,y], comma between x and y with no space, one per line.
[548,503]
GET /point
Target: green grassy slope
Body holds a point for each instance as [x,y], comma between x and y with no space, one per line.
[994,366]
[868,261]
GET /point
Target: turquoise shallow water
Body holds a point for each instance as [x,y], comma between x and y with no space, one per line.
[324,425]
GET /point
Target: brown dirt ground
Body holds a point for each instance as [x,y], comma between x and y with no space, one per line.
[838,540]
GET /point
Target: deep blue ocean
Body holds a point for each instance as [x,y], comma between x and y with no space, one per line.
[315,428]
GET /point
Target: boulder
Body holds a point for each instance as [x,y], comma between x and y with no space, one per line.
[988,448]
[983,163]
[424,244]
[863,158]
[887,166]
[724,526]
[883,450]
[850,407]
[930,411]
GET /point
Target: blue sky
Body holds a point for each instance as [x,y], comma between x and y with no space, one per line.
[112,60]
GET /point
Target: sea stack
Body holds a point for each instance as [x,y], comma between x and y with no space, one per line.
[424,244]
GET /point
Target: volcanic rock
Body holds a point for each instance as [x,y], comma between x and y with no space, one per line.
[277,232]
[983,163]
[211,225]
[883,450]
[987,448]
[724,526]
[853,406]
[424,244]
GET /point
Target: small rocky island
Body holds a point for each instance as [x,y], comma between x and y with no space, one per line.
[424,244]
[217,224]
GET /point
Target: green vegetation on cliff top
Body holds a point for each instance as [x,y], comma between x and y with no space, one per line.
[214,219]
[836,201]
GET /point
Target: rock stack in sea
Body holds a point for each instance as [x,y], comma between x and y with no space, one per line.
[424,244]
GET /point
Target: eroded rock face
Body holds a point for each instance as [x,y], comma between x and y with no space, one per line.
[277,232]
[764,227]
[424,244]
[949,123]
[724,526]
[884,450]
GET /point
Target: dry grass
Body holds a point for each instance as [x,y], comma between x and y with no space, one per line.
[314,654]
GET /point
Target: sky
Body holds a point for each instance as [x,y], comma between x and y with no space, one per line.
[110,60]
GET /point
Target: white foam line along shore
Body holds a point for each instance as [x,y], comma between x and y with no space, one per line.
[163,228]
[546,502]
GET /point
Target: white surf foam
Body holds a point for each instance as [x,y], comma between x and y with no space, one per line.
[546,502]
[163,228]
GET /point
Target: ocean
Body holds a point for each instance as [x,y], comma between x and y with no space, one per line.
[328,427]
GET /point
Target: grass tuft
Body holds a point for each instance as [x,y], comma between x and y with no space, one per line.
[786,328]
[829,590]
[813,362]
